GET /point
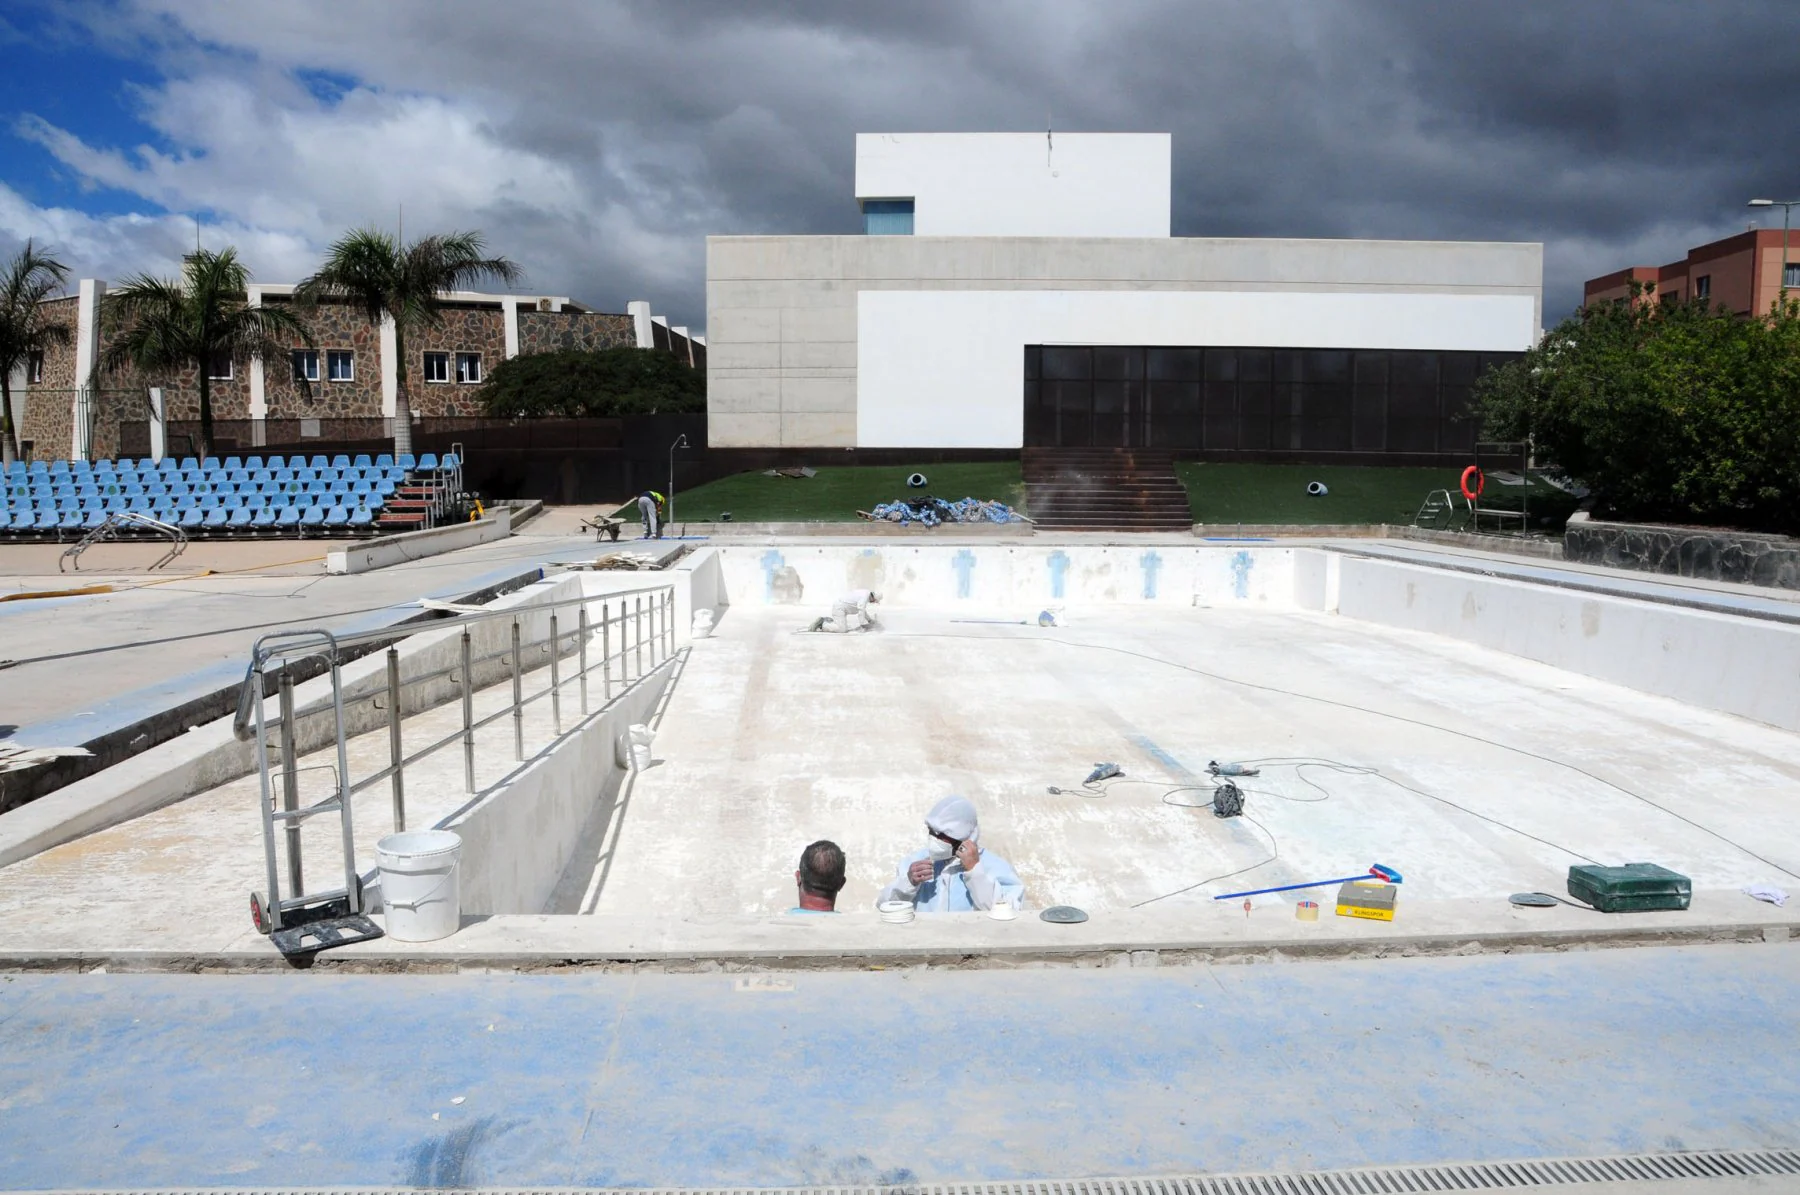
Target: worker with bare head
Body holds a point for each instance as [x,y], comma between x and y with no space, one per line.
[851,612]
[819,878]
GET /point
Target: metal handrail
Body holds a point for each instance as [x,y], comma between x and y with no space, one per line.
[641,626]
[262,651]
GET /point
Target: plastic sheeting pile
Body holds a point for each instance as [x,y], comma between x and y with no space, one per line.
[933,511]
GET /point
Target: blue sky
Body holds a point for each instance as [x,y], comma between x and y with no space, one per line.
[598,142]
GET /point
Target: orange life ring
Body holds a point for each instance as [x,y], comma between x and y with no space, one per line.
[1480,482]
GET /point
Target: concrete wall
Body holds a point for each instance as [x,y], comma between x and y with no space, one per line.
[1741,557]
[387,550]
[1011,580]
[1022,184]
[947,369]
[1744,666]
[783,316]
[523,833]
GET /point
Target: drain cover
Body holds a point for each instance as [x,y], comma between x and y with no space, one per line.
[1064,915]
[1534,900]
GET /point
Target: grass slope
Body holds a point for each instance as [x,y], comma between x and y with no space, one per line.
[1224,493]
[838,492]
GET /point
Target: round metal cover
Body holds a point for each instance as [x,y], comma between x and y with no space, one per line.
[1534,900]
[1064,915]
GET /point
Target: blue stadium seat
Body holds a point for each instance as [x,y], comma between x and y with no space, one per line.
[191,519]
[59,466]
[92,519]
[428,463]
[261,475]
[215,518]
[338,487]
[254,463]
[237,476]
[450,461]
[238,519]
[70,521]
[188,463]
[385,488]
[117,503]
[45,520]
[105,466]
[319,462]
[209,464]
[362,461]
[337,517]
[233,463]
[276,462]
[39,467]
[362,516]
[288,516]
[312,516]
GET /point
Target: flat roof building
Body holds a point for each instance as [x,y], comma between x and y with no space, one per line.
[1742,272]
[1022,290]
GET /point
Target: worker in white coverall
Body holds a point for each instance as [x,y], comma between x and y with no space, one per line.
[952,874]
[649,504]
[850,612]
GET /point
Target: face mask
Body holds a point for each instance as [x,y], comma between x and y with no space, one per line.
[940,850]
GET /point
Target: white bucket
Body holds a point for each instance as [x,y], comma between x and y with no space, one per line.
[703,624]
[419,873]
[634,747]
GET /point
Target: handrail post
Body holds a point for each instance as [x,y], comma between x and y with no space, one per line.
[290,780]
[605,653]
[669,623]
[582,638]
[555,676]
[395,752]
[637,635]
[518,696]
[468,703]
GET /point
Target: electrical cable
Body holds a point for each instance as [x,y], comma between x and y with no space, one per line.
[1352,706]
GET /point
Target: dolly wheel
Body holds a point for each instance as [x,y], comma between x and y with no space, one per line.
[259,912]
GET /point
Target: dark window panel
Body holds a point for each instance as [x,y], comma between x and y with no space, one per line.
[1109,413]
[1371,369]
[1172,365]
[1415,369]
[1288,364]
[1255,400]
[1033,360]
[1221,365]
[1327,366]
[1074,403]
[1255,365]
[1114,362]
[1368,430]
[1063,362]
[1457,369]
[1326,417]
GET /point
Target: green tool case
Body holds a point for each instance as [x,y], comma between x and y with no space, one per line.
[1633,888]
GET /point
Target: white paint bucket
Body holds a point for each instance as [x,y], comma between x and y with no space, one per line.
[419,890]
[634,747]
[703,624]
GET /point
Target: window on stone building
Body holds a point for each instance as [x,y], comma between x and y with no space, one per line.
[1791,276]
[340,365]
[437,367]
[218,367]
[306,365]
[468,367]
[1703,287]
[34,365]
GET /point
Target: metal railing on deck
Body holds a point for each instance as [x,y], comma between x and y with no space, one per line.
[636,636]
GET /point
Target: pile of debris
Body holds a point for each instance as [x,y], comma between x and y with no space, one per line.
[627,562]
[933,511]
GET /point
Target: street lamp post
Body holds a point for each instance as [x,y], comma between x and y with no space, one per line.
[1787,207]
[681,441]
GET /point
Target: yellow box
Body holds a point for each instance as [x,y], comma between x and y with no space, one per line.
[1369,914]
[1371,901]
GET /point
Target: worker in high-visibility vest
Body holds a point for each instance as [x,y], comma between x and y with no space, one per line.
[650,504]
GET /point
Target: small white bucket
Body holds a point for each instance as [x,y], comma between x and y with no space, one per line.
[703,624]
[419,889]
[634,747]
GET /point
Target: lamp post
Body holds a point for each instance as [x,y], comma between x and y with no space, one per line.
[1787,207]
[681,441]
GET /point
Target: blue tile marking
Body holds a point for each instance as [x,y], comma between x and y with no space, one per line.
[1152,564]
[1176,768]
[148,1081]
[1059,573]
[964,563]
[771,560]
[1241,564]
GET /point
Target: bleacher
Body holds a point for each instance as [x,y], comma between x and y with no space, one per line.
[244,497]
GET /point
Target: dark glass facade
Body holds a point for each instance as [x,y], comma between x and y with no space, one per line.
[1253,401]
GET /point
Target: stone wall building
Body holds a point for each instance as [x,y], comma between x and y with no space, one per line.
[64,407]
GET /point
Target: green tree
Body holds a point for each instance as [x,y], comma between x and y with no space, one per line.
[403,284]
[1673,411]
[606,383]
[31,277]
[198,321]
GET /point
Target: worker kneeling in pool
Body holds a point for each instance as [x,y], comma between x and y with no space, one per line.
[850,612]
[952,874]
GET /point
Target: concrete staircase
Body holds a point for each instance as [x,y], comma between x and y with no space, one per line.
[1104,489]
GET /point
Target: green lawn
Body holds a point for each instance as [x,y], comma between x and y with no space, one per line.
[838,492]
[1217,493]
[1221,493]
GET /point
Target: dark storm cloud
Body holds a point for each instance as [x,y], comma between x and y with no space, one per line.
[1615,133]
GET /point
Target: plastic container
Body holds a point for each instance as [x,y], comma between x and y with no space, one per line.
[896,912]
[1633,888]
[420,889]
[703,624]
[634,747]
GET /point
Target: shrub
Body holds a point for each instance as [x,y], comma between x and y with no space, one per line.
[605,383]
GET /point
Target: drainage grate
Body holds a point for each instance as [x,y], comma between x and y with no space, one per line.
[1382,1180]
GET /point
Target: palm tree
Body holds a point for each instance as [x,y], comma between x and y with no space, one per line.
[200,321]
[403,283]
[31,277]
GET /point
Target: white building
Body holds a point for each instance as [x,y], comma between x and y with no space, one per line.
[1022,289]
